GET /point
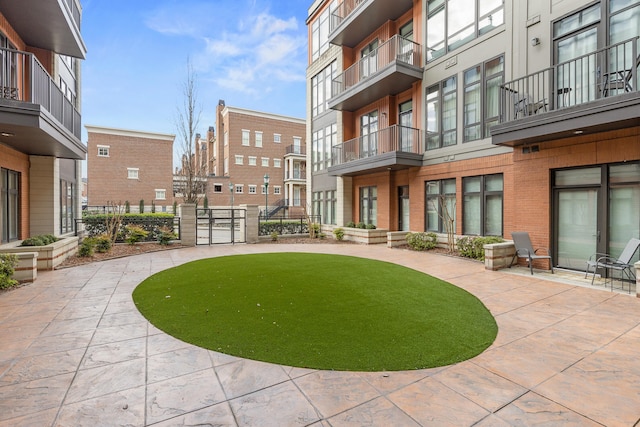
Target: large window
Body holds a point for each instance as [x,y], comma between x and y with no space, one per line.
[481,98]
[67,200]
[322,142]
[320,32]
[441,114]
[369,205]
[321,88]
[317,202]
[10,204]
[452,23]
[482,207]
[440,205]
[331,202]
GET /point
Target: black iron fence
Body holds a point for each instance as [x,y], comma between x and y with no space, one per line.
[286,225]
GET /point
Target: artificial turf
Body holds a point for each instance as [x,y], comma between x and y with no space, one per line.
[317,311]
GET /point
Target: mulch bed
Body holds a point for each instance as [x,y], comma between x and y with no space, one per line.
[118,250]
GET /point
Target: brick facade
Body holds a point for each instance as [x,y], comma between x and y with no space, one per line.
[18,162]
[108,179]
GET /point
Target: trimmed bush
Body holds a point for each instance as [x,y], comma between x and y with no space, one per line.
[40,240]
[371,227]
[141,206]
[339,233]
[127,207]
[351,224]
[473,246]
[361,225]
[87,247]
[135,234]
[284,226]
[316,229]
[8,264]
[166,235]
[103,243]
[95,225]
[422,241]
[274,236]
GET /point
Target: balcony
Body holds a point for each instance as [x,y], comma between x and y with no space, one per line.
[52,24]
[296,150]
[595,92]
[353,20]
[392,148]
[390,69]
[295,175]
[35,116]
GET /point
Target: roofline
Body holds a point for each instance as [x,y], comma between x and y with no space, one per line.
[128,132]
[271,116]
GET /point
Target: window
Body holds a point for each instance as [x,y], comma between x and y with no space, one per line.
[322,143]
[330,207]
[369,134]
[441,114]
[265,190]
[276,189]
[482,206]
[452,23]
[252,160]
[217,188]
[369,59]
[321,88]
[277,163]
[265,162]
[239,159]
[10,207]
[252,189]
[103,150]
[317,202]
[226,138]
[276,138]
[239,188]
[161,194]
[245,137]
[440,205]
[482,83]
[369,205]
[258,139]
[133,173]
[320,32]
[67,200]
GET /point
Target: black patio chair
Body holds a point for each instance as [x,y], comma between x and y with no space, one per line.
[524,249]
[622,264]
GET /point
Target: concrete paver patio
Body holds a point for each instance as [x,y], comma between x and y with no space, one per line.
[74,351]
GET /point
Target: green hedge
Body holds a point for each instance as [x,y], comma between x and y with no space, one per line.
[422,241]
[284,226]
[472,246]
[96,225]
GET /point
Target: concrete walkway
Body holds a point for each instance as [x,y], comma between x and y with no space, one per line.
[74,351]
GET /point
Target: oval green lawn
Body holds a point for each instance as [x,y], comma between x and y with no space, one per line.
[317,311]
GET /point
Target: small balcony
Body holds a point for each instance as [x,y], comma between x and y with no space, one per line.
[52,25]
[390,69]
[353,20]
[295,150]
[392,148]
[296,175]
[35,116]
[592,93]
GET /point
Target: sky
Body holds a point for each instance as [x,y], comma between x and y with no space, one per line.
[251,53]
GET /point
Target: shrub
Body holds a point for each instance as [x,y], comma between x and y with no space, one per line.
[315,227]
[371,227]
[351,224]
[274,236]
[339,233]
[422,241]
[141,206]
[103,243]
[135,234]
[361,225]
[8,264]
[473,246]
[175,207]
[166,235]
[87,247]
[205,202]
[40,240]
[153,206]
[96,225]
[127,207]
[322,236]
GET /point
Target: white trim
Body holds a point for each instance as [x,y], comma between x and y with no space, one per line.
[128,132]
[271,116]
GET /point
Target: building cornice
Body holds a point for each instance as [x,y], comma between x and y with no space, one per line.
[130,133]
[263,115]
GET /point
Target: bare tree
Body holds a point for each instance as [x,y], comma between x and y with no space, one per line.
[446,209]
[193,173]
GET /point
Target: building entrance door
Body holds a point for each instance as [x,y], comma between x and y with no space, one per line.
[403,208]
[577,227]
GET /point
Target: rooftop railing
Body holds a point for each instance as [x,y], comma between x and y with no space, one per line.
[604,73]
[395,49]
[387,140]
[23,78]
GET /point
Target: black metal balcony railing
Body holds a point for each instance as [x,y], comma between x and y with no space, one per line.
[392,139]
[605,73]
[395,49]
[295,149]
[23,78]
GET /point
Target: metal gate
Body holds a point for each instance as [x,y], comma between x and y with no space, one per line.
[218,226]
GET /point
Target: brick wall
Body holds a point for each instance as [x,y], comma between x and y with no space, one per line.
[107,177]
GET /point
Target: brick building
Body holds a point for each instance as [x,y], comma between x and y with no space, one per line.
[127,165]
[250,145]
[517,115]
[40,148]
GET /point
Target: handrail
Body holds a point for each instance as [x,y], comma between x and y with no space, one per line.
[397,48]
[24,78]
[391,139]
[604,73]
[295,149]
[343,10]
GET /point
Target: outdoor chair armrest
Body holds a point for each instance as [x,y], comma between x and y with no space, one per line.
[608,260]
[543,249]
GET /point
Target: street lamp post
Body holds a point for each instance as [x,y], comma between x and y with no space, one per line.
[266,195]
[233,219]
[231,191]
